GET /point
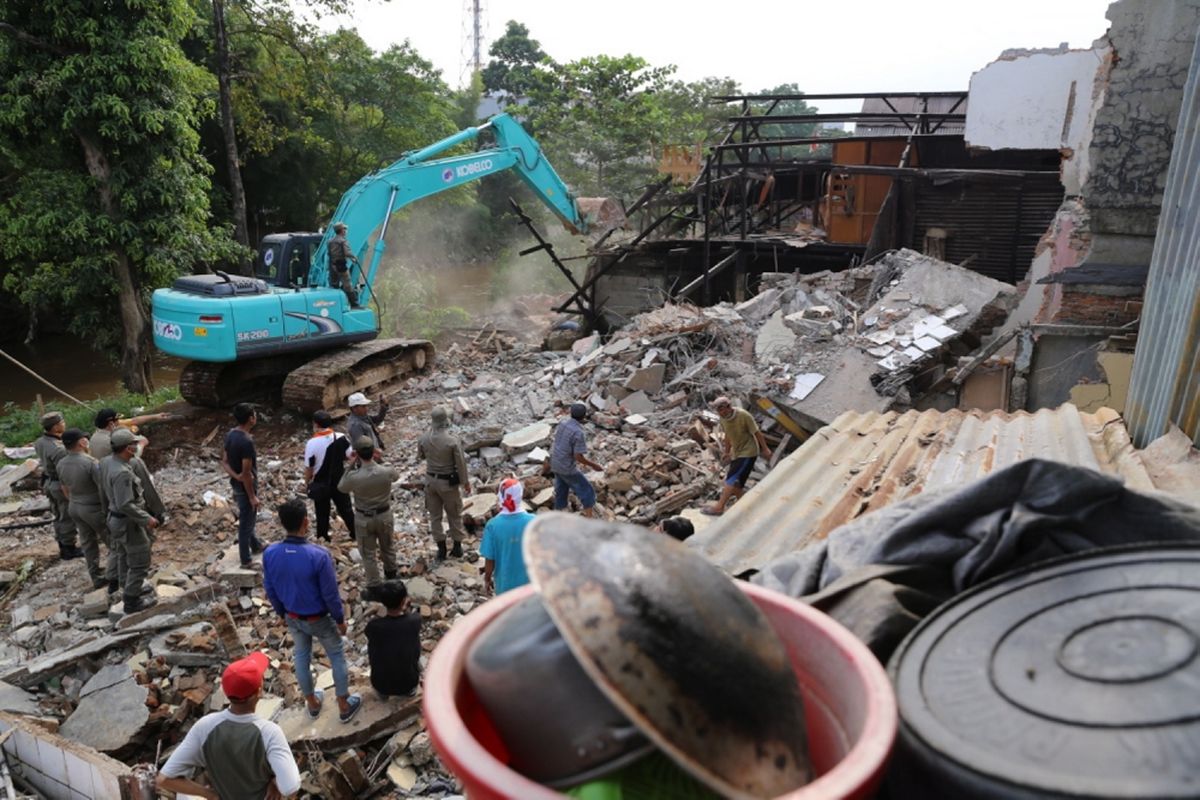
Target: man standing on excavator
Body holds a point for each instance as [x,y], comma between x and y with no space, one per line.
[339,258]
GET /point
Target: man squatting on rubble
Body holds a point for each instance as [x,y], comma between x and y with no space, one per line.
[339,255]
[567,453]
[445,473]
[134,511]
[362,423]
[246,758]
[325,458]
[394,641]
[371,485]
[80,476]
[241,465]
[50,451]
[742,444]
[301,584]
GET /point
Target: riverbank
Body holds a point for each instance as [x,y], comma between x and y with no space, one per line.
[20,425]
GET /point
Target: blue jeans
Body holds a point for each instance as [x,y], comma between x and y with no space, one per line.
[248,543]
[326,632]
[575,482]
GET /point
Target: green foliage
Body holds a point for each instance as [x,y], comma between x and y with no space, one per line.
[22,424]
[99,157]
[408,306]
[514,68]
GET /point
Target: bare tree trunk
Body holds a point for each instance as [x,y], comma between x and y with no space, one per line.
[233,166]
[135,353]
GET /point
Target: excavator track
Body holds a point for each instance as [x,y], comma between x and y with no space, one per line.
[222,384]
[326,381]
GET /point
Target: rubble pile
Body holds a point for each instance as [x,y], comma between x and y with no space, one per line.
[809,344]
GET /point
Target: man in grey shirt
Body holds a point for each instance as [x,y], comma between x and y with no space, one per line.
[80,476]
[130,517]
[50,451]
[363,423]
[445,474]
[246,758]
[567,453]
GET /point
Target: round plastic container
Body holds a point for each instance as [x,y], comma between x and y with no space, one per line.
[849,705]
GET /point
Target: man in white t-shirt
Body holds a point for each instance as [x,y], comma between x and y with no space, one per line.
[324,463]
[246,758]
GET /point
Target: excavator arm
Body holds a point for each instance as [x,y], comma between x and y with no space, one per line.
[369,204]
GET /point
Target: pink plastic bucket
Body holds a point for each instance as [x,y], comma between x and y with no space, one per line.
[849,705]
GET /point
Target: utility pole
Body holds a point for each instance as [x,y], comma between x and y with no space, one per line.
[473,33]
[477,17]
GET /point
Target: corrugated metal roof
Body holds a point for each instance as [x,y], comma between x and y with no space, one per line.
[907,104]
[862,462]
[1165,386]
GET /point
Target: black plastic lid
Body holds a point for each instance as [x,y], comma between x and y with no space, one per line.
[1078,677]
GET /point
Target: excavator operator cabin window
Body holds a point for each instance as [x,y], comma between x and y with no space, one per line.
[298,266]
[267,263]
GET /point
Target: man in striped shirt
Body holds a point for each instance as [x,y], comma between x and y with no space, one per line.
[246,758]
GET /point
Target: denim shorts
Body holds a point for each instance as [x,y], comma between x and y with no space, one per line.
[739,471]
[575,482]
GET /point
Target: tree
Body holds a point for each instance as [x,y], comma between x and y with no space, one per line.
[105,194]
[789,130]
[516,64]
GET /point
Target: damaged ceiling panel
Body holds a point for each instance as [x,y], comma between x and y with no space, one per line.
[862,462]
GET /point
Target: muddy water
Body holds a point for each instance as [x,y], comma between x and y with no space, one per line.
[68,362]
[71,364]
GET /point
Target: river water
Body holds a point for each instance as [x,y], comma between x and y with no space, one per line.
[71,364]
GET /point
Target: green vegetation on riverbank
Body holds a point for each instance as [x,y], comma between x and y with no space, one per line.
[21,425]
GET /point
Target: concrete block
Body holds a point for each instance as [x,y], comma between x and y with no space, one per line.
[637,403]
[648,380]
[492,456]
[377,718]
[112,713]
[526,438]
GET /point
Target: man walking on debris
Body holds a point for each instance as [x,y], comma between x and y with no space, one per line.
[241,464]
[50,451]
[244,756]
[568,452]
[371,486]
[324,464]
[445,473]
[301,584]
[80,475]
[130,521]
[504,564]
[362,423]
[743,443]
[339,268]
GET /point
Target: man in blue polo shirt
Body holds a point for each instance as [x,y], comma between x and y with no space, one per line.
[301,584]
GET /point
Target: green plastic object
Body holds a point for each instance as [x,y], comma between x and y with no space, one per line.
[654,777]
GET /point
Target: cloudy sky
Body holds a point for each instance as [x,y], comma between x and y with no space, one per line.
[841,46]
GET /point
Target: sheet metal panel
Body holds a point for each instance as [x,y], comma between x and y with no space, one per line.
[862,462]
[1165,385]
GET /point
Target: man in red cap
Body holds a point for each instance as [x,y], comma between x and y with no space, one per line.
[246,758]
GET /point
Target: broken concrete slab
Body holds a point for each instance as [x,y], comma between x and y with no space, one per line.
[375,719]
[94,604]
[492,456]
[774,338]
[193,645]
[16,474]
[759,307]
[112,714]
[240,578]
[543,498]
[16,700]
[420,589]
[525,438]
[34,672]
[637,403]
[648,379]
[479,505]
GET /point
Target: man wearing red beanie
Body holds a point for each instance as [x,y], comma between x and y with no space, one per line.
[246,758]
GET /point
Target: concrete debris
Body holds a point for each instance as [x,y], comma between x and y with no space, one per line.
[525,438]
[112,714]
[377,718]
[648,379]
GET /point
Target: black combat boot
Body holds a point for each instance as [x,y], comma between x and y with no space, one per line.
[457,550]
[135,603]
[69,551]
[441,556]
[114,586]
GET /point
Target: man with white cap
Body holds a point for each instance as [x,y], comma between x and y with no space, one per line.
[504,563]
[50,451]
[362,423]
[445,474]
[245,756]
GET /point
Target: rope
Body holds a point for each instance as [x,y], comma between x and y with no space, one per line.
[43,380]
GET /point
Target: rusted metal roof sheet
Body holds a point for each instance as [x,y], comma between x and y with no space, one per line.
[862,462]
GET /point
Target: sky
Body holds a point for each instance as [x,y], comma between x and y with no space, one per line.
[825,47]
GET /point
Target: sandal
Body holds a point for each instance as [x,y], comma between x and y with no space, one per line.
[320,695]
[355,703]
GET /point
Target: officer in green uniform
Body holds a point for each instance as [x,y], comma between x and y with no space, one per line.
[80,475]
[445,476]
[370,484]
[339,263]
[50,451]
[130,522]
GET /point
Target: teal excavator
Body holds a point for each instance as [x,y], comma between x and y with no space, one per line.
[286,332]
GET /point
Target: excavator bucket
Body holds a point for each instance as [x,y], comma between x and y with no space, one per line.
[603,214]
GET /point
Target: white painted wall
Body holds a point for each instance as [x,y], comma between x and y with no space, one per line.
[1024,103]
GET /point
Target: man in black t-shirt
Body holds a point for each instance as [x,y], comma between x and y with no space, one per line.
[241,464]
[394,641]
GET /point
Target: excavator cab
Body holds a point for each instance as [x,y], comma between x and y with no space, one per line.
[283,259]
